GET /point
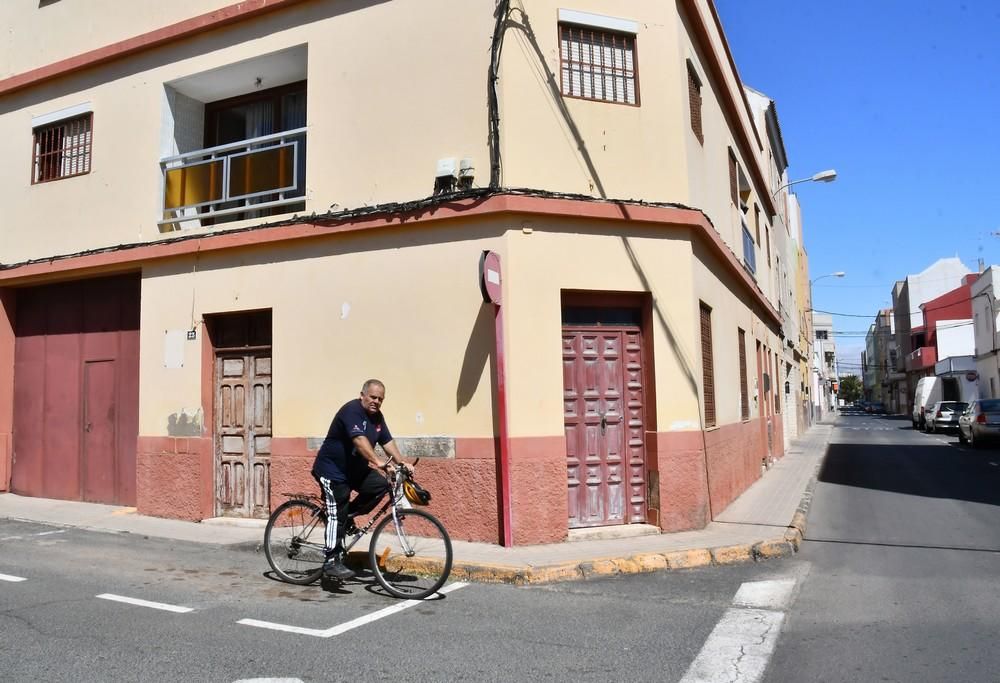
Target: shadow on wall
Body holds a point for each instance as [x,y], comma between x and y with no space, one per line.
[938,471]
[524,26]
[478,352]
[182,424]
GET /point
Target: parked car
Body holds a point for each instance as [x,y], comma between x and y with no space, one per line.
[943,416]
[980,422]
[877,408]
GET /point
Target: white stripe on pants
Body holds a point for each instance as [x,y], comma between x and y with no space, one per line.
[331,514]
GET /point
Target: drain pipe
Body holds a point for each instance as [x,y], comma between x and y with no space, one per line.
[489,285]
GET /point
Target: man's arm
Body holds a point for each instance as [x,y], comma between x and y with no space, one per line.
[365,448]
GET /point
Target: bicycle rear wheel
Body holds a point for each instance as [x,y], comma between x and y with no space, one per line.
[293,541]
[410,560]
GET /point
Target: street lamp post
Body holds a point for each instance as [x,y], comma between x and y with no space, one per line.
[820,379]
[827,176]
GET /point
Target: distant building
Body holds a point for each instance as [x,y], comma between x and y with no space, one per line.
[915,359]
[986,325]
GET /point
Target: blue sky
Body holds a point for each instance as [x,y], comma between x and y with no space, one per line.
[902,98]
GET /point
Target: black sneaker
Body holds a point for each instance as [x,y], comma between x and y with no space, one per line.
[334,568]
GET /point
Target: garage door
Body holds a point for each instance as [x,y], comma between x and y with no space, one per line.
[76,390]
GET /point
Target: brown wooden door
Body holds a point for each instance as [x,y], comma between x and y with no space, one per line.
[603,414]
[243,433]
[99,423]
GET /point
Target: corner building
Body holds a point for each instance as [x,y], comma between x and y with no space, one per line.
[222,218]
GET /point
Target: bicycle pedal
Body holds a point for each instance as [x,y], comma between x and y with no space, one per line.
[382,557]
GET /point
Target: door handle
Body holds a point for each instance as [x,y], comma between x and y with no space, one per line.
[87,427]
[604,423]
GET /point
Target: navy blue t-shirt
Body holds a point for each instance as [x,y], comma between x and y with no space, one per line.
[337,457]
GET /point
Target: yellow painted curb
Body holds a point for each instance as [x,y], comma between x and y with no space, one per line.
[684,559]
[650,562]
[767,550]
[732,554]
[598,568]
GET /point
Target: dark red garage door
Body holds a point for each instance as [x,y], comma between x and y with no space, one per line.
[76,390]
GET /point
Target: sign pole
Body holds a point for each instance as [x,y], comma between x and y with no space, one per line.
[490,286]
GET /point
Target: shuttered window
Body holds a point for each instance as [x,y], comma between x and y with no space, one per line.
[777,383]
[707,365]
[733,183]
[598,65]
[694,101]
[62,149]
[744,394]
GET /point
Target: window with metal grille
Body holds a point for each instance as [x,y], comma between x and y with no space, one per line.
[707,365]
[62,149]
[744,392]
[598,64]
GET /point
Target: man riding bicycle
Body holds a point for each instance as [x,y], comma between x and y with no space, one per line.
[347,461]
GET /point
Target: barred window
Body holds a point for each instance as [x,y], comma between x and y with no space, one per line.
[62,149]
[598,64]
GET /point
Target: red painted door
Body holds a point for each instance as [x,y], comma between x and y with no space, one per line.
[603,414]
[99,423]
[76,361]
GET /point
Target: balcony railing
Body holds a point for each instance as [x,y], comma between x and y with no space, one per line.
[237,178]
[921,359]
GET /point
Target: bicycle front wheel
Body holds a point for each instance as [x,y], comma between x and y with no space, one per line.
[293,541]
[411,559]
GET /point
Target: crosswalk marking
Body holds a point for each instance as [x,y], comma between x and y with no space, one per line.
[12,579]
[740,646]
[145,603]
[348,625]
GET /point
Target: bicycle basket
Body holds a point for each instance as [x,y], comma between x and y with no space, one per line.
[415,493]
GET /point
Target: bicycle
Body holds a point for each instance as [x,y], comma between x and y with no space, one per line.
[415,557]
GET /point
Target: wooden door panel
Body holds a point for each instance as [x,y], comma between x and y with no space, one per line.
[243,428]
[604,430]
[99,438]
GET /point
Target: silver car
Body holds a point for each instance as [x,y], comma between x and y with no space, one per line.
[980,422]
[943,416]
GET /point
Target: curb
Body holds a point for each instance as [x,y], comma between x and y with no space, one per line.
[779,547]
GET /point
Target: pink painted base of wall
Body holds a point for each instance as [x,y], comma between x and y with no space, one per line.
[175,477]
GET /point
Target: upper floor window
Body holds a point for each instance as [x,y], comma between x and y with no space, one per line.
[62,149]
[598,64]
[694,101]
[749,250]
[821,334]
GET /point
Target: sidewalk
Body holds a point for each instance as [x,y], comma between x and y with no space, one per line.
[766,521]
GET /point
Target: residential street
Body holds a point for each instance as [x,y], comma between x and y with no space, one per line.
[903,546]
[894,582]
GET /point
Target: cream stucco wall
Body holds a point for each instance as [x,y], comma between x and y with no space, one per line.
[596,256]
[375,133]
[402,307]
[70,29]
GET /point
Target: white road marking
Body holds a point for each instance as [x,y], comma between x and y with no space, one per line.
[741,644]
[347,625]
[12,579]
[738,649]
[145,603]
[774,594]
[41,533]
[269,680]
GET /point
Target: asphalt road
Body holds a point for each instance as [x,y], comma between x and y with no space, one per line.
[895,582]
[56,627]
[903,548]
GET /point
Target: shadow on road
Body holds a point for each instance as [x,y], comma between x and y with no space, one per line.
[934,471]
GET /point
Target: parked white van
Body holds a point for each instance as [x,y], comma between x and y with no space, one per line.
[928,393]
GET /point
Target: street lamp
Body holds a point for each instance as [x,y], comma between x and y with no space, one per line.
[827,176]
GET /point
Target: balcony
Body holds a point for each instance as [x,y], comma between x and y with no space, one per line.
[243,179]
[922,359]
